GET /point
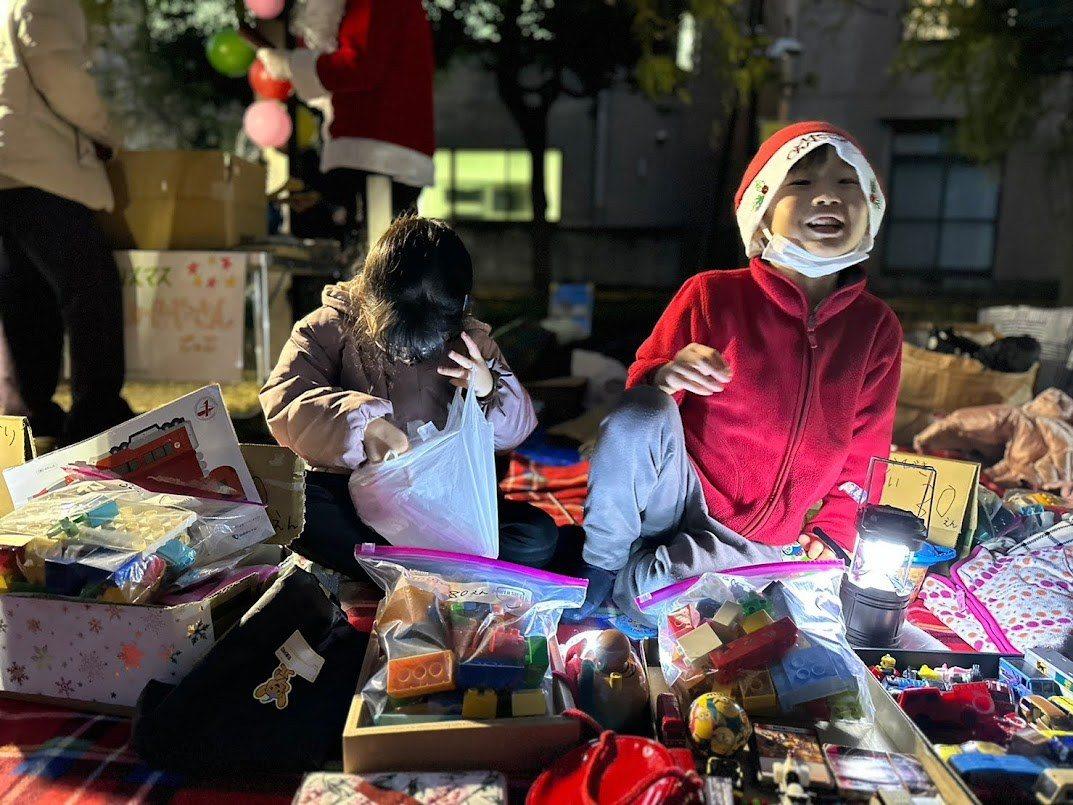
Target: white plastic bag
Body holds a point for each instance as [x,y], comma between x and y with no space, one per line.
[442,493]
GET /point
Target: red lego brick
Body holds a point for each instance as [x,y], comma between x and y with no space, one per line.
[682,620]
[753,651]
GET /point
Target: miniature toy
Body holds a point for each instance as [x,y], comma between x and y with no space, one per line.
[670,727]
[1054,786]
[1025,679]
[611,684]
[888,664]
[480,704]
[422,674]
[1044,713]
[528,703]
[718,725]
[963,713]
[1014,770]
[792,779]
[1028,741]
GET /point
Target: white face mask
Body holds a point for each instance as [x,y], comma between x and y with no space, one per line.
[785,252]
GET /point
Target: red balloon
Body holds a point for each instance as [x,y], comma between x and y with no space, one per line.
[266,87]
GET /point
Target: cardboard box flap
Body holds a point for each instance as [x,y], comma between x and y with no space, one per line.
[16,448]
[279,476]
[213,175]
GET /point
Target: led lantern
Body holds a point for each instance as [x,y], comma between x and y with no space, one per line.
[877,587]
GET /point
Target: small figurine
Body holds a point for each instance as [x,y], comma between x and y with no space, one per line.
[611,684]
[793,779]
[718,725]
[887,664]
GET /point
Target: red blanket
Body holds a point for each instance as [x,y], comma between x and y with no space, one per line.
[560,491]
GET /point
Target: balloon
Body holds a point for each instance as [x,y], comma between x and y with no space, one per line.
[230,53]
[266,87]
[267,124]
[265,9]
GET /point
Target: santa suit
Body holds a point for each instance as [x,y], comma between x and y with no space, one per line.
[367,65]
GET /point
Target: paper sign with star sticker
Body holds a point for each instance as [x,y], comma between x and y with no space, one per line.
[184,314]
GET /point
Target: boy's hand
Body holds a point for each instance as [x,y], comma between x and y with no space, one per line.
[815,549]
[382,438]
[697,369]
[472,371]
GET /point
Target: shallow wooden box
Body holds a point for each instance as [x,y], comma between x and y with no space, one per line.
[522,746]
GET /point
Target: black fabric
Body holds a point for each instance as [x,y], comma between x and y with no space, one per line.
[1014,354]
[211,721]
[57,274]
[527,536]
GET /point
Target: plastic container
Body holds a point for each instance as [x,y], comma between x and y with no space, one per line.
[923,560]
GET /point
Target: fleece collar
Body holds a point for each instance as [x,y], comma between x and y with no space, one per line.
[792,300]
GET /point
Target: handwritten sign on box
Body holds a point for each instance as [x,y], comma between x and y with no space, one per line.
[950,502]
[183,314]
[16,448]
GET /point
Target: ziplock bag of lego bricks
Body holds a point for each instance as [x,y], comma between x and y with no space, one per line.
[770,636]
[103,538]
[441,494]
[462,636]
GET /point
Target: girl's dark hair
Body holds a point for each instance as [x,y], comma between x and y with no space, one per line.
[409,298]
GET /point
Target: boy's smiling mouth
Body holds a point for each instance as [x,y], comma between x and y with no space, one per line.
[826,225]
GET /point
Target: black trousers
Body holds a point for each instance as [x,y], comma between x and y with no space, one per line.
[345,190]
[57,273]
[527,536]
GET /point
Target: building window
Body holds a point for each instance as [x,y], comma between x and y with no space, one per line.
[943,208]
[490,185]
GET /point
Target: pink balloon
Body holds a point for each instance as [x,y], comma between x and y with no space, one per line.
[265,9]
[267,124]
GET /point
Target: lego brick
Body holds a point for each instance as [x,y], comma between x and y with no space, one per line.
[753,603]
[480,704]
[420,675]
[727,621]
[706,608]
[809,673]
[536,661]
[756,621]
[528,703]
[753,651]
[726,689]
[500,643]
[682,620]
[408,604]
[758,694]
[698,643]
[494,674]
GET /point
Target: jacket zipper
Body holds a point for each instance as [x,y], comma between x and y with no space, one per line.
[795,438]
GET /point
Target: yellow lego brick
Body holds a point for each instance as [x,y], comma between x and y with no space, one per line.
[699,643]
[479,703]
[757,621]
[758,695]
[528,703]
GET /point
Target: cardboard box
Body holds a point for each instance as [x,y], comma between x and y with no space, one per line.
[185,200]
[16,448]
[96,656]
[523,746]
[279,476]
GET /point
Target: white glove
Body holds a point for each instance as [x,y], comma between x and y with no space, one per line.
[275,62]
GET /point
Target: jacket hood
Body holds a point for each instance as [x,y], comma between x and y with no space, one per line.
[337,297]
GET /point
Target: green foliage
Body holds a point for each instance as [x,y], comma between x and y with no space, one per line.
[1002,72]
[151,66]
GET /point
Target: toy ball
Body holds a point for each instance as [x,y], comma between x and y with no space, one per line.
[265,86]
[718,724]
[265,9]
[229,53]
[267,124]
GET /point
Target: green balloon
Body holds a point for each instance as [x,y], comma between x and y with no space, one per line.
[230,53]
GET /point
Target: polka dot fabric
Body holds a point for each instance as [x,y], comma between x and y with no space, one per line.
[1004,603]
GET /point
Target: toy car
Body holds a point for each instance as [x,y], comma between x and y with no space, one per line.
[1054,786]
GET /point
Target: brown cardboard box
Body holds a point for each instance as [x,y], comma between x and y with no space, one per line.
[16,448]
[524,746]
[185,200]
[279,476]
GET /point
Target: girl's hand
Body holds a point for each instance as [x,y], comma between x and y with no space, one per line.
[697,369]
[382,438]
[814,548]
[471,372]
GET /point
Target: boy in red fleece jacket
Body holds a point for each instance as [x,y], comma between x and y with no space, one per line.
[760,392]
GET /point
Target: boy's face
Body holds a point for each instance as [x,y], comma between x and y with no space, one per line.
[820,206]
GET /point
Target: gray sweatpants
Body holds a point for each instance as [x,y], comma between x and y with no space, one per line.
[646,517]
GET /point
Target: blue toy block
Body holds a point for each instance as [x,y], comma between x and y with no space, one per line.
[493,674]
[1016,770]
[808,673]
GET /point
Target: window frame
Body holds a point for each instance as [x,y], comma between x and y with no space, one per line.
[947,159]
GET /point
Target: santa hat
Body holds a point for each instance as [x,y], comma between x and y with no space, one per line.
[779,153]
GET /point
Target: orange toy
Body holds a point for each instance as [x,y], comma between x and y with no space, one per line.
[408,677]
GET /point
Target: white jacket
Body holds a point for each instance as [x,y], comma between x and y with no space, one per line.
[50,112]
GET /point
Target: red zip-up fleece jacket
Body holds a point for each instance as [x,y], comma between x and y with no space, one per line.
[811,401]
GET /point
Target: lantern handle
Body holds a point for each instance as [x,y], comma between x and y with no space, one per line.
[927,501]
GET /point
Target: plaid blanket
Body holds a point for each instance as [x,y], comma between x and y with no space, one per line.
[559,491]
[53,756]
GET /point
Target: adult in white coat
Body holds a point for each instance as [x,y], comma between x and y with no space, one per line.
[56,270]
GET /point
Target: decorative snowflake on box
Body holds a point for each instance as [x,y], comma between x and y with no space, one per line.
[197,631]
[114,612]
[65,686]
[17,673]
[41,658]
[95,625]
[131,656]
[34,625]
[91,666]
